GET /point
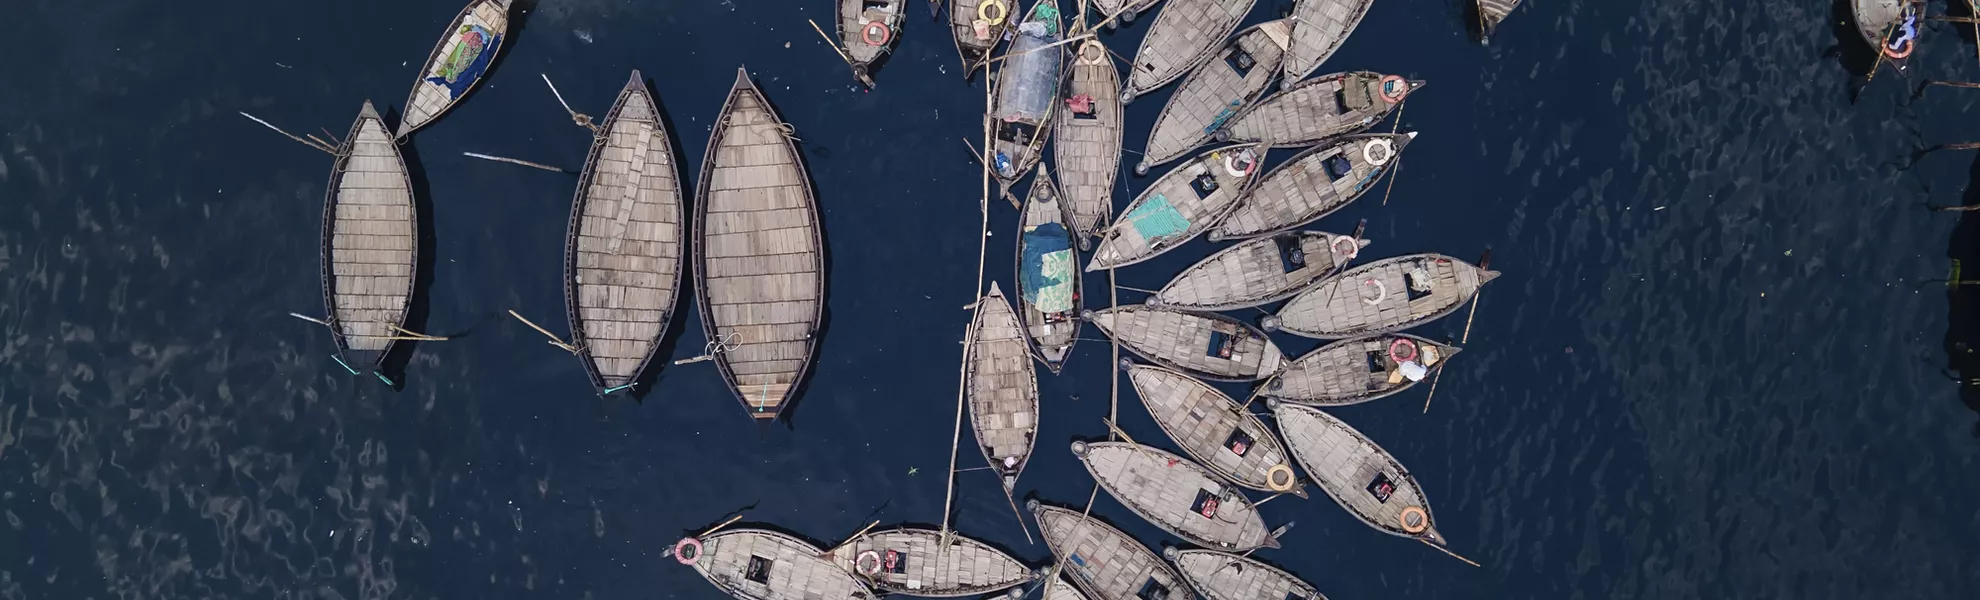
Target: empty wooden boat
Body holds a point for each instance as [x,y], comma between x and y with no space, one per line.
[1490,13]
[762,278]
[1027,90]
[1088,130]
[1177,495]
[1003,388]
[1891,27]
[1102,561]
[1207,345]
[1184,36]
[1215,430]
[624,251]
[458,62]
[1058,589]
[1178,206]
[1048,274]
[1319,27]
[757,564]
[1355,472]
[868,30]
[1312,184]
[1385,296]
[1215,92]
[1357,370]
[1315,109]
[1259,272]
[370,245]
[915,562]
[1225,576]
[977,26]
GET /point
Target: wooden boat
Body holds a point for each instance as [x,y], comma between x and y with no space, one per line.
[1127,10]
[1058,589]
[761,280]
[1319,27]
[1177,495]
[1207,345]
[1490,13]
[1047,274]
[1003,389]
[1215,92]
[1312,184]
[1027,94]
[1355,472]
[915,562]
[868,30]
[1183,37]
[1315,109]
[1178,206]
[1225,576]
[370,245]
[1259,272]
[1088,151]
[1891,27]
[458,62]
[624,253]
[1102,561]
[1357,370]
[976,32]
[1385,296]
[1216,431]
[757,564]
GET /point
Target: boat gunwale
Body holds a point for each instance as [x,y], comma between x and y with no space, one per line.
[1211,223]
[743,531]
[1039,510]
[1249,98]
[1243,417]
[1361,11]
[327,252]
[955,538]
[1201,56]
[1264,389]
[969,380]
[426,68]
[1034,152]
[1245,561]
[1429,533]
[1118,131]
[1301,85]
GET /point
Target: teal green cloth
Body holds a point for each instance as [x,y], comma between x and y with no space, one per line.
[1157,219]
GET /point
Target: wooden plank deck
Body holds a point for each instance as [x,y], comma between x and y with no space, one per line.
[452,71]
[1215,92]
[1359,475]
[370,243]
[1102,561]
[1214,430]
[1354,371]
[1495,11]
[1313,110]
[1319,27]
[1197,194]
[1088,151]
[973,45]
[856,17]
[1183,36]
[914,562]
[1312,184]
[1003,388]
[1381,297]
[1259,272]
[1224,576]
[1184,341]
[1177,495]
[756,564]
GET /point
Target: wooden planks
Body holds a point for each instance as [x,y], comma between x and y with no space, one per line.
[1313,110]
[1259,272]
[757,234]
[1215,92]
[1059,589]
[1183,36]
[915,562]
[1359,475]
[1102,561]
[1357,370]
[1224,576]
[759,564]
[1494,11]
[864,22]
[1177,495]
[1214,430]
[1027,94]
[1207,345]
[1088,151]
[1003,389]
[1177,207]
[458,62]
[626,245]
[1126,8]
[1313,184]
[1381,297]
[975,37]
[370,242]
[1319,27]
[1050,309]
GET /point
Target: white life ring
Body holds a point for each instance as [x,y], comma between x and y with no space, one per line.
[1231,163]
[1381,292]
[1419,524]
[1346,248]
[1092,58]
[1369,153]
[865,568]
[1280,485]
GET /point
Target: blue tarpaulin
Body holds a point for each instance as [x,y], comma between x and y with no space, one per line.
[1046,275]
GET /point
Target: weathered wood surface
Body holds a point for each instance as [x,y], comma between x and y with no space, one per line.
[1027,94]
[1495,11]
[1178,206]
[1175,494]
[1260,271]
[1382,297]
[1184,341]
[1312,184]
[1319,27]
[1184,36]
[1088,151]
[1133,8]
[756,564]
[973,44]
[861,20]
[1216,91]
[914,562]
[1058,589]
[1050,311]
[1214,430]
[370,242]
[1873,17]
[1003,388]
[1356,370]
[1315,109]
[626,249]
[457,63]
[1102,561]
[1224,576]
[1354,472]
[762,260]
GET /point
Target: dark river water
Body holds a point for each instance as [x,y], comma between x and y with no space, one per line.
[1714,367]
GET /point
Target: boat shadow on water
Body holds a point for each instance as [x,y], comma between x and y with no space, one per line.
[419,307]
[1962,341]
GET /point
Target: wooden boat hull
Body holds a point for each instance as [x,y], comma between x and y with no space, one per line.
[1214,92]
[1180,205]
[914,562]
[624,251]
[1027,94]
[1102,561]
[1048,274]
[1088,152]
[1305,113]
[761,281]
[370,255]
[1320,26]
[1003,388]
[975,46]
[1312,184]
[1059,589]
[1212,573]
[1491,12]
[1182,38]
[757,564]
[1260,271]
[457,63]
[1379,297]
[869,30]
[1183,341]
[1899,19]
[1356,370]
[1359,475]
[1177,495]
[1215,431]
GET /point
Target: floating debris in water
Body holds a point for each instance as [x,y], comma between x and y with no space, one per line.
[582,35]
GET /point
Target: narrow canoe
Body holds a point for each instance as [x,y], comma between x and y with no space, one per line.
[1183,37]
[1313,184]
[1357,370]
[1215,430]
[1178,206]
[761,280]
[1315,109]
[1363,478]
[974,36]
[1003,388]
[1491,12]
[1060,590]
[1207,345]
[914,562]
[1102,561]
[757,564]
[458,62]
[1088,151]
[868,30]
[1319,28]
[624,254]
[1381,297]
[1891,27]
[1048,274]
[370,244]
[1225,576]
[1177,495]
[1215,92]
[1259,272]
[1027,94]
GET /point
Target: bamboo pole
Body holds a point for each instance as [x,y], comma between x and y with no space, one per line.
[554,340]
[1395,173]
[716,528]
[310,319]
[1957,84]
[831,42]
[962,375]
[514,162]
[417,335]
[1448,551]
[581,119]
[316,145]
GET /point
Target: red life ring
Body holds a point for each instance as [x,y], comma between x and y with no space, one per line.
[1401,88]
[867,32]
[1402,344]
[687,551]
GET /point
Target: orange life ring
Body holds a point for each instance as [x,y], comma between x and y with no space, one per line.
[1422,522]
[1896,55]
[1402,89]
[687,551]
[867,33]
